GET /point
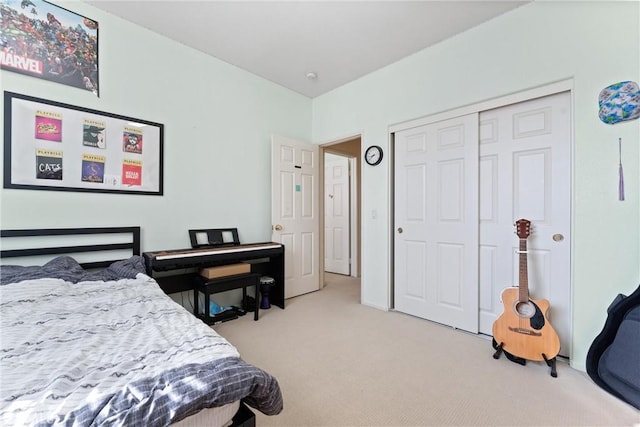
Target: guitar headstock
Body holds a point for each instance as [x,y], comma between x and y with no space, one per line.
[523,228]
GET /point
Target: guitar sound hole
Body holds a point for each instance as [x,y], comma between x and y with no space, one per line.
[525,309]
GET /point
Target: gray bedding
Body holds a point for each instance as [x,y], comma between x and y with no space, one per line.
[68,269]
[85,351]
[152,401]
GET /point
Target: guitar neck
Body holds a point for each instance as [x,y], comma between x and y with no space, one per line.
[523,283]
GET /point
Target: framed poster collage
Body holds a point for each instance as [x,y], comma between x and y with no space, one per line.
[49,145]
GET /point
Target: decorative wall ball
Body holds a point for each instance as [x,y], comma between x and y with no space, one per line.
[619,102]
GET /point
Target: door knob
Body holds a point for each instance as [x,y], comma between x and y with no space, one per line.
[278,227]
[400,230]
[557,237]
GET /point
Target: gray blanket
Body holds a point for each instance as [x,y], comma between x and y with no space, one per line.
[152,401]
[67,268]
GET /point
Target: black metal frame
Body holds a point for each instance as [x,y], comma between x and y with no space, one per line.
[132,243]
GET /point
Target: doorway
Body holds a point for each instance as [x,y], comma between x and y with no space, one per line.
[337,214]
[340,202]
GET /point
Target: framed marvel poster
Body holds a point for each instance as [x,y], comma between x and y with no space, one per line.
[53,146]
[42,40]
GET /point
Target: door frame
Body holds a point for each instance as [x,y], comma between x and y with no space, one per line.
[490,104]
[501,101]
[354,208]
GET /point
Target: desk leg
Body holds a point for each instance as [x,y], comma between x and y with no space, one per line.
[257,299]
[276,295]
[195,301]
[244,296]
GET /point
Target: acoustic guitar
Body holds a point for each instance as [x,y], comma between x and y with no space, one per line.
[523,329]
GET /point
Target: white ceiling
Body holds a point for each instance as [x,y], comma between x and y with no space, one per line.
[282,41]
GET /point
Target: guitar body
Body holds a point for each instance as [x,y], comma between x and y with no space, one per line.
[523,328]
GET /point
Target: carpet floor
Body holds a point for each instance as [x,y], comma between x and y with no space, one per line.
[340,363]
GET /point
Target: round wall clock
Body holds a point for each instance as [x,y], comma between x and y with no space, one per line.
[373,155]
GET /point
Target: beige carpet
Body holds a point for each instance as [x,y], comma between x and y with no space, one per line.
[340,363]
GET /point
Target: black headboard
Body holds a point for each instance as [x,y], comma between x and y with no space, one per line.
[25,243]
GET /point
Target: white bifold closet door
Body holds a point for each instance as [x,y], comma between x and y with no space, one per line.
[460,184]
[436,222]
[525,172]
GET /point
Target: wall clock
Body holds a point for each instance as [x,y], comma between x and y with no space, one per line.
[373,155]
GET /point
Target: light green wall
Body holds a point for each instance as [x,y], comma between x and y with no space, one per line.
[218,122]
[593,43]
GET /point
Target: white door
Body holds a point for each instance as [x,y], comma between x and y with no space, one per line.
[294,211]
[336,214]
[525,172]
[436,222]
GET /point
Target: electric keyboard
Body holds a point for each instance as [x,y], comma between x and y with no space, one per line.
[198,258]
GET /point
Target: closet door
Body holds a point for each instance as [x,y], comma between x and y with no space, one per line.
[436,222]
[525,172]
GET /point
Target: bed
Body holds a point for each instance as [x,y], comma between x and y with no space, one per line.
[89,339]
